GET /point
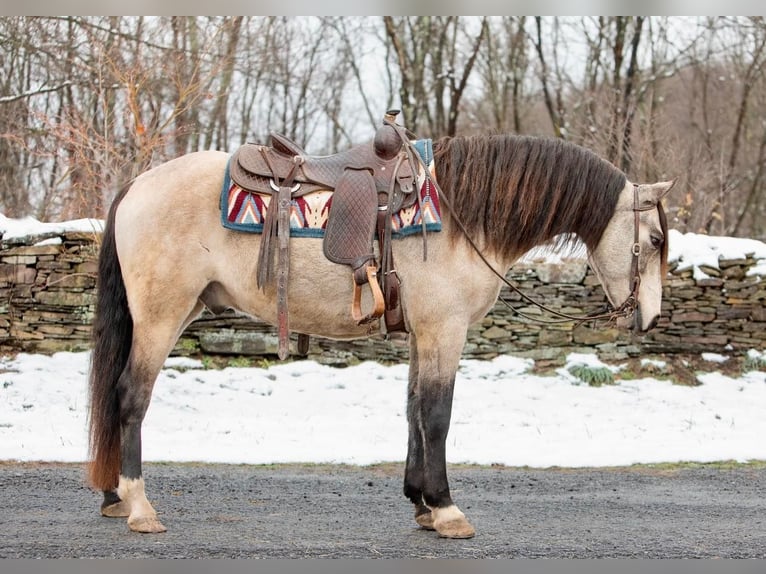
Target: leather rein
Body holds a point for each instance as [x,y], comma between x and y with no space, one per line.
[626,309]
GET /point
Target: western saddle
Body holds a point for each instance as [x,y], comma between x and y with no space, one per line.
[369,182]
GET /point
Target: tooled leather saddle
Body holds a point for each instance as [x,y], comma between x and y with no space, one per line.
[369,182]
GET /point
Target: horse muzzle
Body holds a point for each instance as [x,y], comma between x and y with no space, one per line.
[635,322]
[638,322]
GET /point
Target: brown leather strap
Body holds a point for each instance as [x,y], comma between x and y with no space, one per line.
[264,273]
[303,344]
[283,271]
[635,273]
[278,224]
[394,317]
[379,304]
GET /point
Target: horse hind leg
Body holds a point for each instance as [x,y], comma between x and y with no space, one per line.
[152,342]
[433,365]
[134,390]
[113,506]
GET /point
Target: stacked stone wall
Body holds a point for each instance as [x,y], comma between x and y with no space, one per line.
[47,292]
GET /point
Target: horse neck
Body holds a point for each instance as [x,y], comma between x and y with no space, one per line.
[505,256]
[474,247]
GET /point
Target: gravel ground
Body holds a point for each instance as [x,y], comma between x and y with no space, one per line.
[310,511]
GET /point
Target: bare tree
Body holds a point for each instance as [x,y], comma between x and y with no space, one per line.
[216,134]
[719,93]
[502,67]
[14,91]
[749,62]
[435,56]
[350,32]
[86,103]
[554,111]
[112,114]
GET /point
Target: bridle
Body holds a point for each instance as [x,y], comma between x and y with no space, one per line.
[625,310]
[630,304]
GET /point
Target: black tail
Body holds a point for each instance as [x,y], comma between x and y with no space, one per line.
[112,336]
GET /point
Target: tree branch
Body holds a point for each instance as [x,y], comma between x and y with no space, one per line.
[37,92]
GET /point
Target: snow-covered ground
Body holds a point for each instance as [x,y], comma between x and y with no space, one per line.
[305,412]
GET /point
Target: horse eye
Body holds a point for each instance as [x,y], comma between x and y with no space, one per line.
[657,241]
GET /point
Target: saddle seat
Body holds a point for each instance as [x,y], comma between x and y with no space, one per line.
[252,164]
[369,182]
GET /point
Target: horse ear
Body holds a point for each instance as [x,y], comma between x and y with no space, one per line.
[650,194]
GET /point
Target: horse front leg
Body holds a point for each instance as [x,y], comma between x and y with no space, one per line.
[433,365]
[414,469]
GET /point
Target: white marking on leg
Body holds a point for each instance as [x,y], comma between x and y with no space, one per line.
[447,514]
[143,517]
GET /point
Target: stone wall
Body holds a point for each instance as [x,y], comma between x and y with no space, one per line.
[47,292]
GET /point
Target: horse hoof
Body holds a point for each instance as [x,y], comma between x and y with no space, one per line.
[116,510]
[425,520]
[450,522]
[456,529]
[146,525]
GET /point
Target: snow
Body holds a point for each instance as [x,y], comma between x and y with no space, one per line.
[29,227]
[714,357]
[655,363]
[693,250]
[306,412]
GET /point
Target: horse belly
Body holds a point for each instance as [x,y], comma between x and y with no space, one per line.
[319,293]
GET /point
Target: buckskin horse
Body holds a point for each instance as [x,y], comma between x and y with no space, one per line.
[165,257]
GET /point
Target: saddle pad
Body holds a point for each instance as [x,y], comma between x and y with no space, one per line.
[245,211]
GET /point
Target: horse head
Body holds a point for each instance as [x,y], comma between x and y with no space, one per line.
[630,259]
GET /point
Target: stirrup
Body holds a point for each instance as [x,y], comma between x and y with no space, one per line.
[379,304]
